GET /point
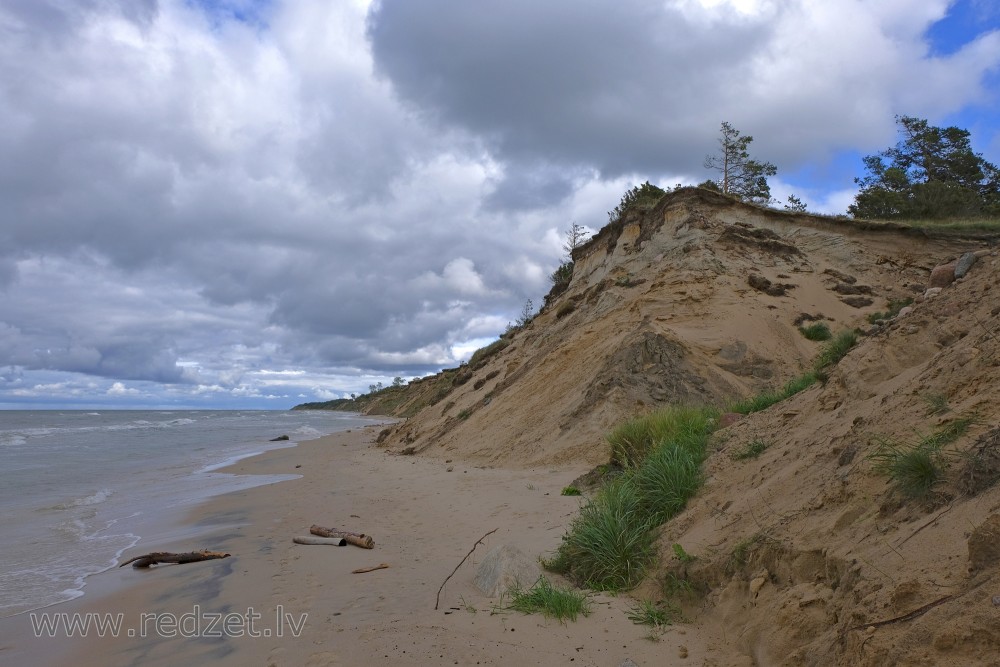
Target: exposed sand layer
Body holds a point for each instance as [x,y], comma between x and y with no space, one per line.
[424,520]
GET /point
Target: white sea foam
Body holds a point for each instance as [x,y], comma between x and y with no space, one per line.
[79,489]
[12,440]
[94,498]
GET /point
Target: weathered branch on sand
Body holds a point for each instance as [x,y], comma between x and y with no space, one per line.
[309,539]
[437,600]
[158,557]
[362,570]
[357,539]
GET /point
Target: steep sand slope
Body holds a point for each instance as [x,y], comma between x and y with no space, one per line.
[661,310]
[807,546]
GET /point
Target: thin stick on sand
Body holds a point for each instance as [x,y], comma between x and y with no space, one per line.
[362,570]
[437,600]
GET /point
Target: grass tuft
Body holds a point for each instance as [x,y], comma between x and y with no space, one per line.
[893,308]
[682,555]
[655,614]
[677,586]
[948,433]
[836,349]
[745,549]
[550,601]
[751,450]
[914,469]
[818,331]
[937,404]
[634,439]
[570,491]
[766,399]
[609,544]
[667,478]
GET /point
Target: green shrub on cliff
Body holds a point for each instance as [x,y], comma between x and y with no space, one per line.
[480,356]
[643,196]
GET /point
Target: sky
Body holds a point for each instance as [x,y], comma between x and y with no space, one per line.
[257,203]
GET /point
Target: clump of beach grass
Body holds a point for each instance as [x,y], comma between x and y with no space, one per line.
[632,440]
[832,352]
[610,544]
[667,478]
[836,349]
[818,331]
[766,399]
[937,404]
[915,468]
[544,598]
[654,614]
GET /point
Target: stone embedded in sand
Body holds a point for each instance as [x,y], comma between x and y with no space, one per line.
[857,301]
[762,284]
[984,544]
[504,567]
[964,263]
[758,582]
[844,288]
[943,275]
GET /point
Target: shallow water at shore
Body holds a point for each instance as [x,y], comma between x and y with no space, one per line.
[79,488]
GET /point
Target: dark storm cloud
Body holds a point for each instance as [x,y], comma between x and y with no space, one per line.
[608,84]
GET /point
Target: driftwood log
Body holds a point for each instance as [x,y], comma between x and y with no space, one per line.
[165,557]
[357,539]
[309,539]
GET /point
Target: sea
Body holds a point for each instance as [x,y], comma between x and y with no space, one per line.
[79,488]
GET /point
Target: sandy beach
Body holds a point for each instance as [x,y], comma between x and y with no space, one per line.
[278,603]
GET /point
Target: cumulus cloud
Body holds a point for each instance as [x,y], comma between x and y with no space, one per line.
[243,202]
